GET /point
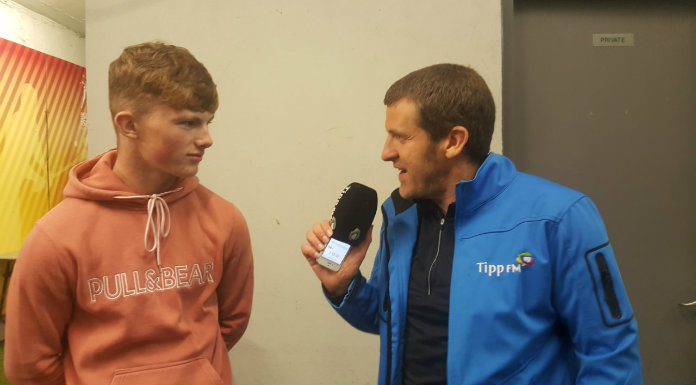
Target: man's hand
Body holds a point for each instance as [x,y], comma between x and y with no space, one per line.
[335,282]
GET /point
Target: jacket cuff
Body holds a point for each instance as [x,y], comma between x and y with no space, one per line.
[338,301]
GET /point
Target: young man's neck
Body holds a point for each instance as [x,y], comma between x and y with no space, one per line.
[140,181]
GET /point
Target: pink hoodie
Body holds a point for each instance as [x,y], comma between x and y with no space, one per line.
[114,288]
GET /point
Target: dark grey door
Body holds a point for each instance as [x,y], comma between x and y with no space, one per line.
[618,123]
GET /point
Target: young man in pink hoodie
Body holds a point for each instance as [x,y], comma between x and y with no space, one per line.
[140,275]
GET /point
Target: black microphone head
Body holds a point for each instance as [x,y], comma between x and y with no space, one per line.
[353,214]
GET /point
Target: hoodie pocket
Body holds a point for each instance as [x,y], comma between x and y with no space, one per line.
[195,371]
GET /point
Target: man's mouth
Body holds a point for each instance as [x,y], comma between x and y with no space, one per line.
[402,174]
[197,157]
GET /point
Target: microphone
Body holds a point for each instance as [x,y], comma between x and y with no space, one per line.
[353,213]
[351,218]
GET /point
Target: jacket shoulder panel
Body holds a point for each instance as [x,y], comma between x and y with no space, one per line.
[527,199]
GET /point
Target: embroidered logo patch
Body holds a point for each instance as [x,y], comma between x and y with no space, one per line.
[491,269]
[525,259]
[333,223]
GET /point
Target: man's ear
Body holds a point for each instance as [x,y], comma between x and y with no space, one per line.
[124,122]
[456,140]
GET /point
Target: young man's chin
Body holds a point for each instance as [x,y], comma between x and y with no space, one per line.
[188,172]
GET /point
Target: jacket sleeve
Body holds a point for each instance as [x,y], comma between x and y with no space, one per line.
[592,302]
[235,292]
[39,306]
[360,306]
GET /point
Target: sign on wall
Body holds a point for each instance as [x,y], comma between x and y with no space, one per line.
[42,135]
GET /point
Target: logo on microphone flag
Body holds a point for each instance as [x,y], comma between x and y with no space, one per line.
[355,234]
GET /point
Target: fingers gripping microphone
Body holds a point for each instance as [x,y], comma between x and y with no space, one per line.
[350,220]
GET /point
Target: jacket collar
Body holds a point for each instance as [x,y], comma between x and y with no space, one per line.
[492,178]
[400,204]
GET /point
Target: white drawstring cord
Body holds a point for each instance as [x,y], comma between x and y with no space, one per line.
[158,220]
[161,210]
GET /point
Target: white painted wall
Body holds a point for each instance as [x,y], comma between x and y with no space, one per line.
[301,86]
[23,26]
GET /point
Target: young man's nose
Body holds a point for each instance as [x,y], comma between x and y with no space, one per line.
[205,140]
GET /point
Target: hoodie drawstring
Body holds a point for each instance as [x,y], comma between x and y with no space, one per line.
[161,211]
[158,220]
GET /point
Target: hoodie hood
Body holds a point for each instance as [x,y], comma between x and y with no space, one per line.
[95,180]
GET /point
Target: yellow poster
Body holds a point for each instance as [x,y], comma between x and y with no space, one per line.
[42,135]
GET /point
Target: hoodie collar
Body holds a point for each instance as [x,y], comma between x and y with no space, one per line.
[95,180]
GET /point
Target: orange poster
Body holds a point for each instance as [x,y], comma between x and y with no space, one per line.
[42,135]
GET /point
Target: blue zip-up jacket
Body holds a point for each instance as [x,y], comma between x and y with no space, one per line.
[536,295]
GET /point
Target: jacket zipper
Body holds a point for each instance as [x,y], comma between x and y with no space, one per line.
[437,254]
[387,301]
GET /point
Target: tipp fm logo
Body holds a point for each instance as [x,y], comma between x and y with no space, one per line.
[525,259]
[355,234]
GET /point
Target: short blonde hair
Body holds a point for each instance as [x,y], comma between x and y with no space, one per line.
[155,73]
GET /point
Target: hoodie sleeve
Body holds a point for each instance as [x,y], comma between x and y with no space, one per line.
[39,306]
[592,301]
[235,291]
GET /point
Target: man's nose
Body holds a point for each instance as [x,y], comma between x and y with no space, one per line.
[388,152]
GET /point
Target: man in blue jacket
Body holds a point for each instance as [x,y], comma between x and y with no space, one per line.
[484,275]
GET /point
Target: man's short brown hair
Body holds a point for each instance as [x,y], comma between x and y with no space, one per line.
[449,95]
[155,73]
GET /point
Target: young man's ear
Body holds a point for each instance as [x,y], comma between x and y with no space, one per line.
[456,140]
[125,124]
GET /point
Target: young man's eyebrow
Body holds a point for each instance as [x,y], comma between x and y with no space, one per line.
[187,118]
